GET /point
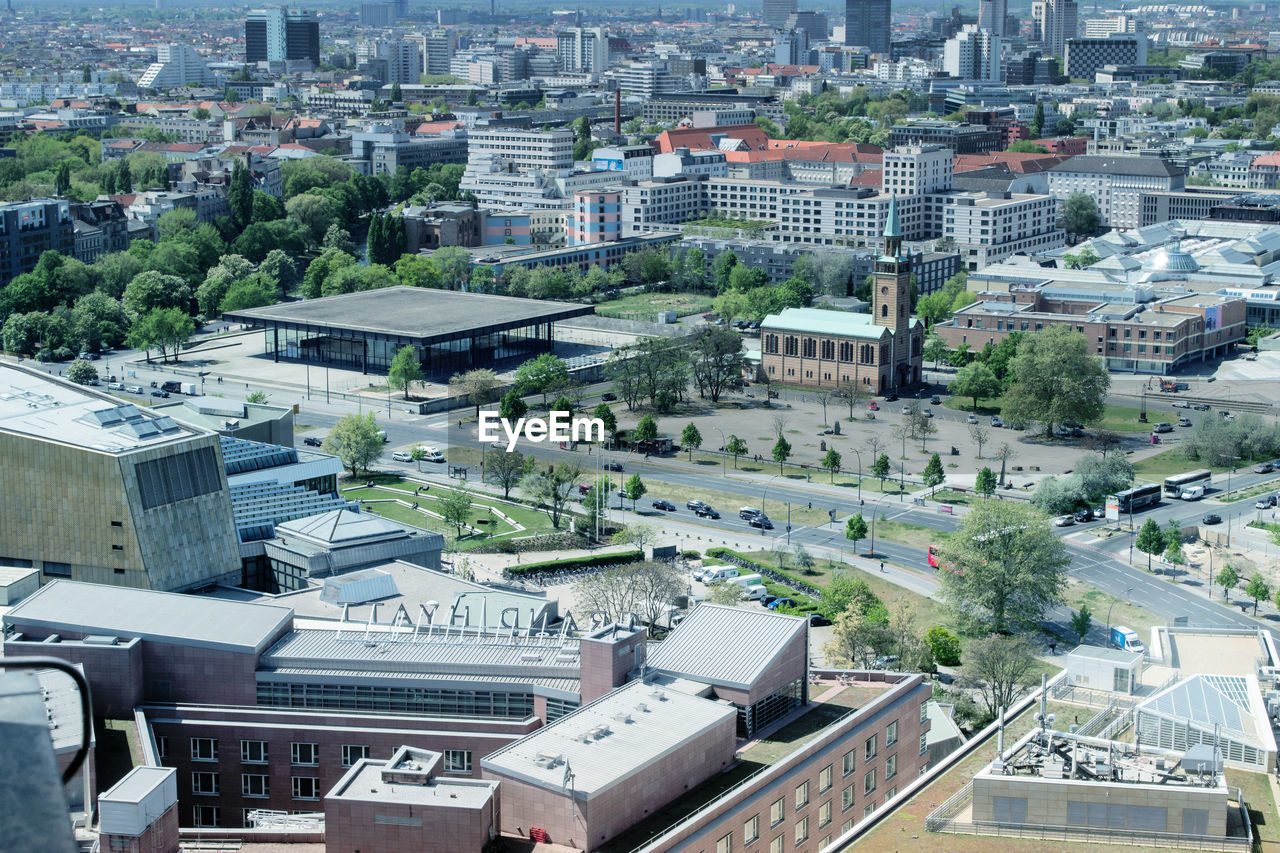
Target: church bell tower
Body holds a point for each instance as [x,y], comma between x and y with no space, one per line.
[891,294]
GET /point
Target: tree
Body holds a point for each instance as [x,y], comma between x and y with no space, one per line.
[1005,566]
[985,483]
[1004,453]
[977,381]
[481,385]
[944,645]
[405,370]
[979,434]
[1227,579]
[855,529]
[166,329]
[641,536]
[935,350]
[1150,539]
[781,451]
[355,440]
[551,487]
[1023,146]
[691,438]
[251,292]
[151,290]
[454,264]
[1081,622]
[314,212]
[645,588]
[1001,668]
[880,469]
[737,447]
[506,469]
[258,397]
[831,461]
[240,196]
[1257,589]
[1173,547]
[606,416]
[62,178]
[396,95]
[337,237]
[512,407]
[1080,214]
[1082,259]
[634,489]
[860,630]
[542,374]
[934,476]
[716,360]
[266,207]
[455,509]
[646,429]
[1056,377]
[82,372]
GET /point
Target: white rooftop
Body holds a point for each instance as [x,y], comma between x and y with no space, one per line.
[732,646]
[605,743]
[50,409]
[409,777]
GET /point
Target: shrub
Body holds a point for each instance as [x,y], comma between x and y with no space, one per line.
[570,564]
[944,644]
[691,554]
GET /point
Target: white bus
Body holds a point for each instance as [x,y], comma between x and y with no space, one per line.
[1174,485]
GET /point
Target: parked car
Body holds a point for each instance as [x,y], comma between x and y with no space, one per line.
[90,356]
[312,441]
[705,511]
[928,413]
[973,419]
[1064,521]
[159,392]
[665,506]
[906,410]
[1162,427]
[133,389]
[761,521]
[996,421]
[891,397]
[766,599]
[935,400]
[781,602]
[694,504]
[401,456]
[1263,468]
[1211,518]
[884,661]
[817,620]
[613,466]
[608,396]
[1184,422]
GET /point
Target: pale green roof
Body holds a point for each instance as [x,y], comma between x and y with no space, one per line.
[891,226]
[819,321]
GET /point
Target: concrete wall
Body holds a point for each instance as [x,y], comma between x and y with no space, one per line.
[115,673]
[388,827]
[1047,799]
[160,837]
[605,662]
[791,664]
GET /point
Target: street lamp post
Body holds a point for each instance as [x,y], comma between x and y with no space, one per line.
[1113,604]
[724,471]
[764,495]
[859,455]
[1234,460]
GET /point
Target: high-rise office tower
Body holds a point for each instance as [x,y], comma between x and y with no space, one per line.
[791,47]
[972,54]
[867,24]
[992,15]
[438,47]
[274,35]
[583,49]
[776,12]
[1059,25]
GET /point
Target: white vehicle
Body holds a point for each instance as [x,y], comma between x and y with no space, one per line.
[719,574]
[189,388]
[754,592]
[1126,638]
[401,456]
[747,580]
[1192,493]
[431,453]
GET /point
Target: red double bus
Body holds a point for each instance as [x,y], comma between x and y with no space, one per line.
[935,556]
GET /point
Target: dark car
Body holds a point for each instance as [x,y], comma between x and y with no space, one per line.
[935,400]
[817,620]
[1211,518]
[312,441]
[766,599]
[613,466]
[665,506]
[695,504]
[1201,407]
[706,512]
[608,396]
[1083,515]
[761,521]
[159,392]
[891,398]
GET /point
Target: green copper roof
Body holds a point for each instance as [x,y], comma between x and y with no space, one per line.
[891,227]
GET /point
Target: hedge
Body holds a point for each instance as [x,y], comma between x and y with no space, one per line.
[799,588]
[570,564]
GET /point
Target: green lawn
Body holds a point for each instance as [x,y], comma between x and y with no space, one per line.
[1123,611]
[1155,468]
[645,306]
[1114,418]
[847,478]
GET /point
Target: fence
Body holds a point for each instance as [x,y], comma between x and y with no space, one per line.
[1093,835]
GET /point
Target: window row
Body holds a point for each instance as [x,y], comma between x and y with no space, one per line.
[256,751]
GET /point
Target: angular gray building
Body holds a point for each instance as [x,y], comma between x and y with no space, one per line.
[867,24]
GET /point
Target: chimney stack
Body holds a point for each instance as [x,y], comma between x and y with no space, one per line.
[617,110]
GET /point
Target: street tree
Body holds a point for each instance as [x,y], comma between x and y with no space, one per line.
[980,435]
[1258,589]
[691,438]
[165,329]
[737,447]
[853,394]
[642,536]
[1173,543]
[1056,377]
[855,530]
[935,350]
[646,429]
[82,372]
[634,489]
[405,370]
[715,359]
[1081,622]
[506,469]
[512,406]
[481,385]
[976,381]
[542,375]
[1080,214]
[880,469]
[1001,669]
[1004,453]
[258,397]
[1227,579]
[781,451]
[985,483]
[1150,539]
[831,461]
[724,592]
[607,417]
[934,475]
[455,508]
[860,632]
[644,588]
[1006,566]
[944,645]
[354,439]
[551,488]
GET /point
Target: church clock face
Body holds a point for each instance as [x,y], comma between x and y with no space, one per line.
[884,291]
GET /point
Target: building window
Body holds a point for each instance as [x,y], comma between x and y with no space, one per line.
[204,749]
[775,846]
[890,767]
[846,798]
[869,750]
[57,570]
[205,783]
[206,816]
[802,830]
[162,747]
[253,751]
[824,780]
[751,830]
[802,795]
[776,813]
[891,734]
[849,761]
[457,761]
[725,845]
[791,345]
[255,785]
[352,752]
[306,788]
[307,754]
[824,814]
[866,812]
[869,781]
[924,743]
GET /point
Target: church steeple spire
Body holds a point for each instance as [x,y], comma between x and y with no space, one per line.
[893,231]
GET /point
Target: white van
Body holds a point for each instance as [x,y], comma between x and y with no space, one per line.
[719,574]
[1192,493]
[754,592]
[747,580]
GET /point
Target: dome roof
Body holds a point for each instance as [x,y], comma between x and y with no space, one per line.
[1171,258]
